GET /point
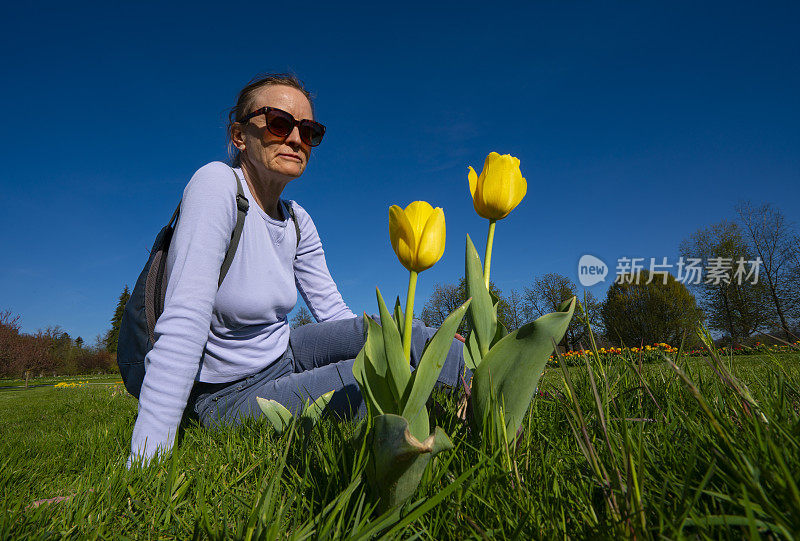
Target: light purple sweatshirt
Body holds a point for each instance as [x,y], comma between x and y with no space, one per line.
[223,335]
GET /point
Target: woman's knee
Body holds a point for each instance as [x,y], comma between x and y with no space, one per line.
[318,344]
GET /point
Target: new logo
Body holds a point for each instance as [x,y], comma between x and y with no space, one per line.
[591,270]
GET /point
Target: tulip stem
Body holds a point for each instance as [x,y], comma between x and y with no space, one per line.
[412,287]
[487,259]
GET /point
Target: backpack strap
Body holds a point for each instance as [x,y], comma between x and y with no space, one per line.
[290,212]
[174,220]
[242,206]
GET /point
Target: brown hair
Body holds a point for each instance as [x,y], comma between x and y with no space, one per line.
[244,103]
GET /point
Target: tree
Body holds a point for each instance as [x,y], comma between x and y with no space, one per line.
[62,346]
[736,306]
[447,297]
[9,342]
[794,278]
[113,334]
[547,293]
[771,238]
[516,311]
[636,312]
[303,317]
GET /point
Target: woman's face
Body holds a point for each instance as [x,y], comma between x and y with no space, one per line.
[287,156]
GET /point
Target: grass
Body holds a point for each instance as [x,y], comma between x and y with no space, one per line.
[609,451]
[52,380]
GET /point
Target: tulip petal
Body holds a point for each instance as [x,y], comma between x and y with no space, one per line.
[502,185]
[485,180]
[477,196]
[431,245]
[472,176]
[495,197]
[402,236]
[491,158]
[520,189]
[476,189]
[418,213]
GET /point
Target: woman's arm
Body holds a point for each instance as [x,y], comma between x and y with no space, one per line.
[311,274]
[201,238]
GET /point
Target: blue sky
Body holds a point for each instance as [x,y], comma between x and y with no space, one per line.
[635,122]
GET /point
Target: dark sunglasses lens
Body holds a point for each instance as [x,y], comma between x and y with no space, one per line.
[279,123]
[311,133]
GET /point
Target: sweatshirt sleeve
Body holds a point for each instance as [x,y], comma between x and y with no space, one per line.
[199,243]
[311,274]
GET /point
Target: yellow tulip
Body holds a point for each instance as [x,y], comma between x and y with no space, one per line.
[499,188]
[417,234]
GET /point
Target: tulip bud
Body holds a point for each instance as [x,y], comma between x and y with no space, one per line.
[417,234]
[499,188]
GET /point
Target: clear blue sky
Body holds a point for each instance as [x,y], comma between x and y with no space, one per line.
[635,122]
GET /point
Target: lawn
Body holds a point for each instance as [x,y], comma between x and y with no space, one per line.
[52,380]
[636,454]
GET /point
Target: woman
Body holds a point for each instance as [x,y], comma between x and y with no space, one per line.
[217,349]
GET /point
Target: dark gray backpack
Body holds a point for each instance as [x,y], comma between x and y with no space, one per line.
[136,332]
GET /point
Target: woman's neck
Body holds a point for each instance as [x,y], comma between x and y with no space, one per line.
[265,188]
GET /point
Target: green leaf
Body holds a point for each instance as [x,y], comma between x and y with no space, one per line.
[511,370]
[314,411]
[501,329]
[482,314]
[398,459]
[429,368]
[278,416]
[398,368]
[380,388]
[374,349]
[501,333]
[468,357]
[495,300]
[399,319]
[375,370]
[419,425]
[430,503]
[472,353]
[360,374]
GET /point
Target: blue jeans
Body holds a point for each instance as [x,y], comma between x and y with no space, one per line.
[319,359]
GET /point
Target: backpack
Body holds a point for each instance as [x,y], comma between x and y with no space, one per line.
[136,332]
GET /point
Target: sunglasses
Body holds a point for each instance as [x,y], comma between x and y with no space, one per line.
[280,124]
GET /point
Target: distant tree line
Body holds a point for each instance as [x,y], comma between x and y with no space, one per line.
[47,352]
[52,351]
[640,308]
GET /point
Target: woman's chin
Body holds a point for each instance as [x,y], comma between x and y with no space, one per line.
[292,173]
[293,169]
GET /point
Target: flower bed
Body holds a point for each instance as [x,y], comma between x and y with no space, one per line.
[660,351]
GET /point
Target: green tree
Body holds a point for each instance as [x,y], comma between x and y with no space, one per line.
[62,347]
[732,305]
[113,333]
[303,317]
[547,293]
[636,311]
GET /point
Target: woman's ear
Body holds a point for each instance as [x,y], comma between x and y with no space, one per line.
[237,137]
